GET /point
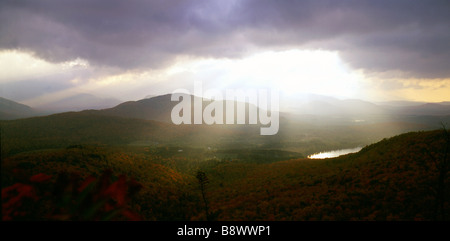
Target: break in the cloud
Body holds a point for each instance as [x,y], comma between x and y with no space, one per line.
[387,39]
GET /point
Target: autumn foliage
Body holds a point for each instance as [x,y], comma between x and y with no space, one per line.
[395,179]
[69,197]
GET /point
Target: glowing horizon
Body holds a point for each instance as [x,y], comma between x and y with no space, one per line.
[292,72]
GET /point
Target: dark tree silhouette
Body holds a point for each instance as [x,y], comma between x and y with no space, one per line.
[442,166]
[203,181]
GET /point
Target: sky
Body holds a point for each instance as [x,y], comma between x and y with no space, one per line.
[372,50]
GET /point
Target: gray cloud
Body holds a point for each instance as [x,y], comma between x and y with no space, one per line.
[379,36]
[28,89]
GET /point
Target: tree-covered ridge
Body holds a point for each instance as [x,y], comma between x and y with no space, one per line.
[391,180]
[90,127]
[395,179]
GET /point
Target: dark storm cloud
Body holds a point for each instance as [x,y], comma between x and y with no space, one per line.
[411,36]
[118,33]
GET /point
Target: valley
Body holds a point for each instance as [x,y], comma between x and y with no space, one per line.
[250,177]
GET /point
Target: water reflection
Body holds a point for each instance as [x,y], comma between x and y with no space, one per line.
[336,153]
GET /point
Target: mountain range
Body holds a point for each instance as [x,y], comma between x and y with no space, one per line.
[137,138]
[314,125]
[159,107]
[77,102]
[299,108]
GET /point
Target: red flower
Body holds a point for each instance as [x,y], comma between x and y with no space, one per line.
[118,190]
[86,183]
[131,216]
[41,177]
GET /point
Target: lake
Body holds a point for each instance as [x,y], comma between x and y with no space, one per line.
[336,153]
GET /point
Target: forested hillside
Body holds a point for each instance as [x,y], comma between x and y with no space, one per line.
[401,178]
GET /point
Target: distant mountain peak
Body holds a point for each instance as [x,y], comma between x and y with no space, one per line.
[78,102]
[13,110]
